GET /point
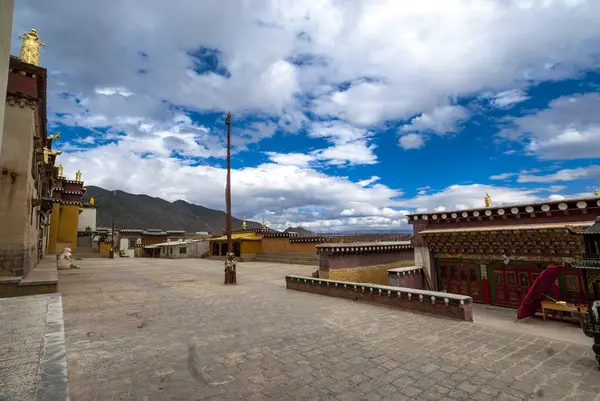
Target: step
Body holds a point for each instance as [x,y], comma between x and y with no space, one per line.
[43,279]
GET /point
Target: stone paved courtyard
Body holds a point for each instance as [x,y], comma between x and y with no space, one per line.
[155,329]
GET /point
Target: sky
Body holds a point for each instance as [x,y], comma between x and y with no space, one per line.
[346,114]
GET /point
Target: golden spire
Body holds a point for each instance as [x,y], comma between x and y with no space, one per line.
[54,137]
[488,200]
[48,152]
[60,170]
[263,226]
[596,193]
[30,49]
[78,175]
[92,201]
[228,118]
[244,225]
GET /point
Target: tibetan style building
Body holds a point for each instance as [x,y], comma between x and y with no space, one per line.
[493,254]
[66,207]
[27,170]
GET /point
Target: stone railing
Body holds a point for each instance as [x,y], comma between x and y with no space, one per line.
[430,302]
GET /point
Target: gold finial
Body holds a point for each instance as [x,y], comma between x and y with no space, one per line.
[228,118]
[60,170]
[263,223]
[596,193]
[54,137]
[244,225]
[488,200]
[30,49]
[92,201]
[48,152]
[78,175]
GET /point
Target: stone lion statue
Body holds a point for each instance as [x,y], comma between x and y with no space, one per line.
[65,259]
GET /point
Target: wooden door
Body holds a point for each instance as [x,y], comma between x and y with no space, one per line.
[500,289]
[574,286]
[474,283]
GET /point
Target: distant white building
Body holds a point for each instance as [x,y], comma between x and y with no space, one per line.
[87,218]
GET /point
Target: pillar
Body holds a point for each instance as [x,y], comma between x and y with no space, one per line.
[6,20]
[53,235]
[67,226]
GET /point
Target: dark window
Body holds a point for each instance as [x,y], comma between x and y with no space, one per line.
[182,250]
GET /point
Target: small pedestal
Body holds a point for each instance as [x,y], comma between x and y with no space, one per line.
[230,269]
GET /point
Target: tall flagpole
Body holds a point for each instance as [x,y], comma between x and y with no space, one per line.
[230,273]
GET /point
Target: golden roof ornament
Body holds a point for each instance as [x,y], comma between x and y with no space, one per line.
[30,49]
[244,225]
[92,201]
[54,137]
[78,175]
[488,200]
[48,152]
[263,226]
[60,170]
[596,193]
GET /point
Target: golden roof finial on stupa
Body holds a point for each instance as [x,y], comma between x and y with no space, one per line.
[78,175]
[60,170]
[54,137]
[596,193]
[48,152]
[92,201]
[244,225]
[30,49]
[263,223]
[488,200]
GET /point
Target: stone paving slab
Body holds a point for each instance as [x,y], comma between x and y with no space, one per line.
[32,351]
[153,329]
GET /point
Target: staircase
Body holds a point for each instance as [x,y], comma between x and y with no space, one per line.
[289,258]
[87,252]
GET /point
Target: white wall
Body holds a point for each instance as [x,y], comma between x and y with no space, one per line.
[6,20]
[87,218]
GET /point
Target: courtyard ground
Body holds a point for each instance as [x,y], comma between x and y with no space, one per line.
[156,329]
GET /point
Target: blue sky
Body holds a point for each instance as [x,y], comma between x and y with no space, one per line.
[346,115]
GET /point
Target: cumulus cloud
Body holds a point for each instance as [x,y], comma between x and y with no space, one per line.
[508,98]
[568,129]
[564,175]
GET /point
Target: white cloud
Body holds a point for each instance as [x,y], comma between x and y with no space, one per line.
[291,159]
[568,129]
[503,176]
[411,141]
[508,98]
[442,120]
[565,175]
[350,145]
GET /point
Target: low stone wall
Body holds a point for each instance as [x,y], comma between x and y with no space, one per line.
[452,306]
[363,262]
[288,258]
[407,277]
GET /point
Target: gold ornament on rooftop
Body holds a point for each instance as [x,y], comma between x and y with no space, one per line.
[48,153]
[78,175]
[244,225]
[488,200]
[92,201]
[30,49]
[263,226]
[60,170]
[596,193]
[54,137]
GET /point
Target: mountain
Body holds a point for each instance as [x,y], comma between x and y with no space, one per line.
[143,212]
[302,232]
